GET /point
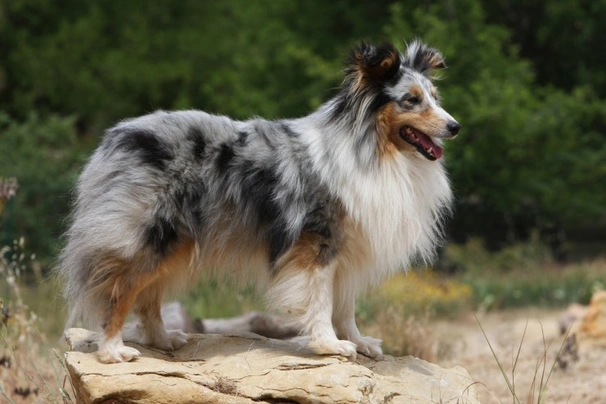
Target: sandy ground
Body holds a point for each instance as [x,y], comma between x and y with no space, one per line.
[582,381]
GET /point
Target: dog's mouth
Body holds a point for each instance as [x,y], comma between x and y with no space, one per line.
[422,143]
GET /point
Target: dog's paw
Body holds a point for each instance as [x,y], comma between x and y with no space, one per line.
[369,346]
[134,333]
[171,340]
[334,347]
[160,338]
[117,354]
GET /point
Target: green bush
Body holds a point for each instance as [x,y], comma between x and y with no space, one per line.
[45,156]
[472,258]
[522,275]
[549,288]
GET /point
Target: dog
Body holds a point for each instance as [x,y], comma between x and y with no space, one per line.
[318,208]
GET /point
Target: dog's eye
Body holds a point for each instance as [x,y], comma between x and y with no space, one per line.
[412,99]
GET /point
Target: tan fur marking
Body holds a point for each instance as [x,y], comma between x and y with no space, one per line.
[124,286]
[384,126]
[365,74]
[436,61]
[426,121]
[386,64]
[359,83]
[390,141]
[123,296]
[416,91]
[148,304]
[305,254]
[389,123]
[178,260]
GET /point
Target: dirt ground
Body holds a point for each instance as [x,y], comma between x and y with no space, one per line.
[582,381]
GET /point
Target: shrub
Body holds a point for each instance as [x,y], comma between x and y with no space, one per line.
[523,274]
[45,156]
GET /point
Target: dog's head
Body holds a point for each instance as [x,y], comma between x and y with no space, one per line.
[400,94]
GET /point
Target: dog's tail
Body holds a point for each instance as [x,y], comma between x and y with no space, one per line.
[90,264]
[75,269]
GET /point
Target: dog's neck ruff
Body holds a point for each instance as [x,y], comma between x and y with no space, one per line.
[398,202]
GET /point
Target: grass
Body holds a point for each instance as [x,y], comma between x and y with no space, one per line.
[31,370]
[212,298]
[540,377]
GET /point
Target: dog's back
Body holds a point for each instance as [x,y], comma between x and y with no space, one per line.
[165,180]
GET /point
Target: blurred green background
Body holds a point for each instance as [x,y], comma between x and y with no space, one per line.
[526,79]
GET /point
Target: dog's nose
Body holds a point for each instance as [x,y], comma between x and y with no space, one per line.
[453,127]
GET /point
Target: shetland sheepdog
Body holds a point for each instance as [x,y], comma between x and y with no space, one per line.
[318,208]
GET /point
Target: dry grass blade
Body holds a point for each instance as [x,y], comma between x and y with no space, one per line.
[66,379]
[517,359]
[5,395]
[465,392]
[494,354]
[538,388]
[545,382]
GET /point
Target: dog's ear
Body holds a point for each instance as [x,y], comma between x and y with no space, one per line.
[423,59]
[373,65]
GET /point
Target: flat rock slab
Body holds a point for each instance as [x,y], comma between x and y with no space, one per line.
[253,369]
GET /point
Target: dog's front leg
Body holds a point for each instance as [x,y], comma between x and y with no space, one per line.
[345,322]
[307,295]
[318,319]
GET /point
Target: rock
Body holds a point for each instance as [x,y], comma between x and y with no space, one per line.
[249,368]
[569,321]
[586,329]
[592,329]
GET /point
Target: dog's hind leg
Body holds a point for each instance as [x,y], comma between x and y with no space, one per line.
[175,268]
[151,330]
[122,295]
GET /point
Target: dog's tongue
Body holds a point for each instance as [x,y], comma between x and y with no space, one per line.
[427,144]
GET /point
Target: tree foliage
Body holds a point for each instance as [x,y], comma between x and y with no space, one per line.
[45,155]
[526,80]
